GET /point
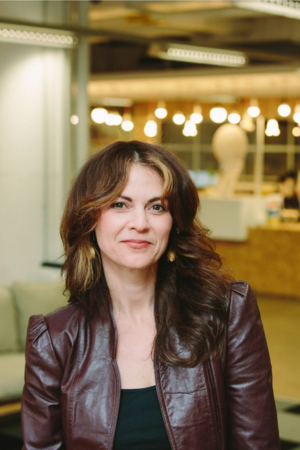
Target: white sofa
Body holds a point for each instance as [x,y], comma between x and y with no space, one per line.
[17,303]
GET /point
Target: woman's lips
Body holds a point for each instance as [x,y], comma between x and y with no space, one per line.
[136,244]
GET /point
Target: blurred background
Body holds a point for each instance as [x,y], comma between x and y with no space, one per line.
[217,82]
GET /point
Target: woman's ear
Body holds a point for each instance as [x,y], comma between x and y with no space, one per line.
[94,241]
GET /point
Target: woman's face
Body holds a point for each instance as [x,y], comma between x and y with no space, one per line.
[133,232]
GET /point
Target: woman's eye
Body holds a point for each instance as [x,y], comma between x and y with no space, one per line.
[158,207]
[118,205]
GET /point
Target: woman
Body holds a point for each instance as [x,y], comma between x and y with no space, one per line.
[157,348]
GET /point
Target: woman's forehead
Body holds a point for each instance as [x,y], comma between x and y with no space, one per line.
[143,178]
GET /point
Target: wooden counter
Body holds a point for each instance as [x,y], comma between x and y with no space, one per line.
[269,260]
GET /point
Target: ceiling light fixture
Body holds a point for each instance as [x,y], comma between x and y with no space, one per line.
[190,129]
[218,114]
[197,55]
[161,111]
[150,129]
[284,110]
[99,115]
[116,102]
[113,119]
[49,37]
[272,128]
[234,118]
[296,115]
[179,118]
[286,8]
[196,115]
[296,131]
[127,124]
[253,110]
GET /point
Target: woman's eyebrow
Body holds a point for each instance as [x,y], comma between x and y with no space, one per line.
[154,199]
[125,198]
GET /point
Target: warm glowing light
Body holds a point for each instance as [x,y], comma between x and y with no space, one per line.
[284,110]
[127,124]
[196,116]
[99,115]
[190,129]
[234,118]
[179,118]
[197,55]
[110,119]
[117,119]
[33,36]
[272,128]
[113,119]
[296,115]
[253,109]
[74,119]
[161,111]
[296,131]
[218,114]
[150,129]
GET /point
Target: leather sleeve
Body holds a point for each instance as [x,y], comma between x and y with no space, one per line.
[252,415]
[41,409]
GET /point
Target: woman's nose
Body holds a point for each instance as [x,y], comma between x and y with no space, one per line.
[139,220]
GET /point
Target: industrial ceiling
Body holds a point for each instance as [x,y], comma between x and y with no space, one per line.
[266,31]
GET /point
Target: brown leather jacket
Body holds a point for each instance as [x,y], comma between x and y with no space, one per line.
[72,386]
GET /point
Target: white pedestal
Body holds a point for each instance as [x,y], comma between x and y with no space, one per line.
[230,218]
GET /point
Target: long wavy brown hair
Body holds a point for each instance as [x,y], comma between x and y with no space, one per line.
[190,293]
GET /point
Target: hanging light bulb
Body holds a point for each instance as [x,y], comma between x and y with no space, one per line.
[284,110]
[296,131]
[272,128]
[127,124]
[113,119]
[179,118]
[110,120]
[99,115]
[161,111]
[253,109]
[296,115]
[234,118]
[117,119]
[150,128]
[190,129]
[196,115]
[218,114]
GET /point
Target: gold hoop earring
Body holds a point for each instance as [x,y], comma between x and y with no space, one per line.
[171,256]
[92,253]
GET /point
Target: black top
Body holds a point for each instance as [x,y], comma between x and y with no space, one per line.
[140,424]
[291,202]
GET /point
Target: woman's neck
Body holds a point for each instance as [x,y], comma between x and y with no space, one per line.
[131,291]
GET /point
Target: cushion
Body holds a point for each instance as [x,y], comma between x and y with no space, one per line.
[11,376]
[36,298]
[8,322]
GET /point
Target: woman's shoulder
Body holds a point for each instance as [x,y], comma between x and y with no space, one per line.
[57,330]
[54,326]
[56,320]
[240,296]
